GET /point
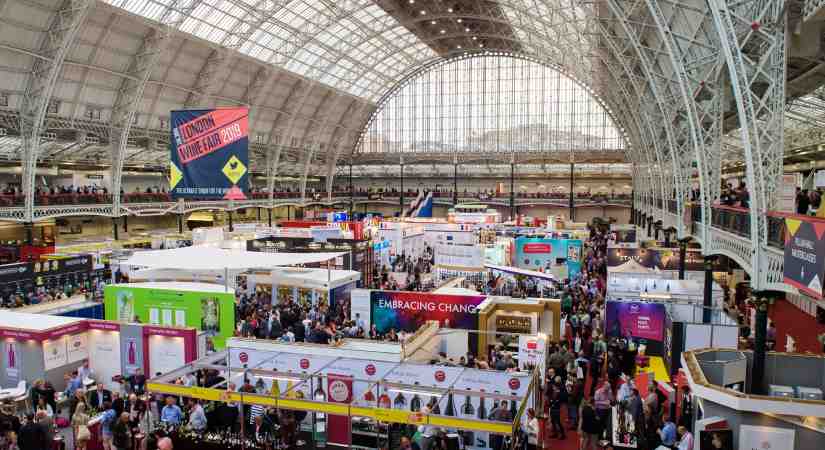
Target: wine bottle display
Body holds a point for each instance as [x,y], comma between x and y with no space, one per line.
[450,411]
[415,403]
[319,393]
[399,402]
[482,411]
[436,408]
[468,409]
[384,400]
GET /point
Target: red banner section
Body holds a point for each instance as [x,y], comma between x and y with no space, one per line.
[209,123]
[220,138]
[339,390]
[537,248]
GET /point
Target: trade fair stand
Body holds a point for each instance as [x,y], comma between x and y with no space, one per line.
[362,383]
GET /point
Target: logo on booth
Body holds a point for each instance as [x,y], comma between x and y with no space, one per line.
[532,345]
[369,369]
[243,357]
[514,383]
[338,391]
[440,376]
[304,363]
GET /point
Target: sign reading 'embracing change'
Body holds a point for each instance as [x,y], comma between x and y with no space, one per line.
[210,153]
[805,254]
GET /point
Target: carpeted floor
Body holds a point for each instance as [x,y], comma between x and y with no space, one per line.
[802,327]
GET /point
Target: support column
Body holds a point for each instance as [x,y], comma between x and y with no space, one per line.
[513,188]
[180,223]
[667,238]
[401,214]
[682,255]
[351,193]
[455,181]
[231,225]
[632,207]
[759,344]
[269,216]
[125,224]
[114,228]
[708,292]
[288,212]
[572,194]
[29,230]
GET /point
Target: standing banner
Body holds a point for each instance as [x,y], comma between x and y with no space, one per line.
[210,153]
[805,254]
[339,390]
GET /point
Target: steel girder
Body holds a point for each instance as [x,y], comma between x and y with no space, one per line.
[752,39]
[59,40]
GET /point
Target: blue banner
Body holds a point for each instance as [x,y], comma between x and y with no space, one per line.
[210,153]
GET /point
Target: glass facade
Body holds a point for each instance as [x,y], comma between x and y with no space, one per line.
[491,103]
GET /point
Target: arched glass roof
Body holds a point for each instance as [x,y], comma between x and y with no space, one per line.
[491,103]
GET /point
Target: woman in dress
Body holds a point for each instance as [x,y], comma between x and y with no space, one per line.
[79,427]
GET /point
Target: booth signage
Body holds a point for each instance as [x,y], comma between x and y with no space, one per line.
[544,253]
[635,320]
[210,153]
[805,254]
[514,324]
[408,311]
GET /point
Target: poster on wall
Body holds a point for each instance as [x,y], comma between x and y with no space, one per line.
[11,360]
[209,153]
[716,440]
[542,254]
[408,311]
[54,354]
[104,353]
[77,347]
[637,321]
[752,437]
[804,264]
[166,353]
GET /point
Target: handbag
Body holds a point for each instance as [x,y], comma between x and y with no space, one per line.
[83,433]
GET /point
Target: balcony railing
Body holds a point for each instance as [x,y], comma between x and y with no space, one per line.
[732,219]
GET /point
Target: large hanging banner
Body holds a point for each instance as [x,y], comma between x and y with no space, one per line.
[805,254]
[637,321]
[210,153]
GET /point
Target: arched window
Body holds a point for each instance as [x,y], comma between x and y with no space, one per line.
[490,103]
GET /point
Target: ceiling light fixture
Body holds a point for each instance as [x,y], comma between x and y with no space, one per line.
[443,31]
[433,22]
[467,30]
[449,10]
[423,12]
[459,20]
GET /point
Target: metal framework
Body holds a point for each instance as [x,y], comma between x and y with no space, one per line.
[680,88]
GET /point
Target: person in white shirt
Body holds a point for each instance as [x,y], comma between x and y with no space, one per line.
[624,391]
[532,429]
[85,372]
[685,438]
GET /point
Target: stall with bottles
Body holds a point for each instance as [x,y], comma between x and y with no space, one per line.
[362,394]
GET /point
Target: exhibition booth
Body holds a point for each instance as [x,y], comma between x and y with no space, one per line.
[76,306]
[309,287]
[356,391]
[476,322]
[46,347]
[561,257]
[206,307]
[666,261]
[789,416]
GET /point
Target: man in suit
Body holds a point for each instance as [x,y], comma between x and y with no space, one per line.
[32,435]
[273,325]
[99,396]
[118,403]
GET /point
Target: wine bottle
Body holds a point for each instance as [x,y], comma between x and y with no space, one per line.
[276,389]
[369,397]
[482,411]
[436,408]
[399,402]
[468,409]
[450,405]
[415,403]
[384,400]
[513,407]
[319,393]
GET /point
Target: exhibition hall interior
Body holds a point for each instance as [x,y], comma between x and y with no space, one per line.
[412,224]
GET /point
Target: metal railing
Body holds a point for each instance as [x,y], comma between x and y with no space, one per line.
[732,219]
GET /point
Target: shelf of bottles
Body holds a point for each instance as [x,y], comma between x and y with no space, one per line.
[462,409]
